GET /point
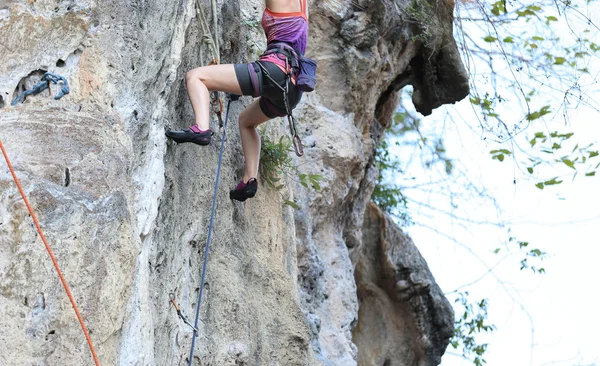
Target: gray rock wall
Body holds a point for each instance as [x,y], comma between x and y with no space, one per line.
[127,212]
[404,318]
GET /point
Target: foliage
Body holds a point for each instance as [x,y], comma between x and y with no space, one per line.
[386,195]
[535,56]
[276,165]
[530,66]
[389,196]
[468,325]
[422,14]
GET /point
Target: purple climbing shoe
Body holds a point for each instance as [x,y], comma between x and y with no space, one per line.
[191,134]
[243,190]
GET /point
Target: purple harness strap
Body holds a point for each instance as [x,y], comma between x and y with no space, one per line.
[254,79]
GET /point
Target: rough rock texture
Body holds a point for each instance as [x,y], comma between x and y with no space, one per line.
[127,212]
[403,318]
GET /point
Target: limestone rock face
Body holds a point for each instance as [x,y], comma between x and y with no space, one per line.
[126,212]
[404,318]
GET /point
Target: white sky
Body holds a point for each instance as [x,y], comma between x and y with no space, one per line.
[559,307]
[563,302]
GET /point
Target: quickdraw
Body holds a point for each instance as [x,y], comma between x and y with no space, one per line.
[298,148]
[180,314]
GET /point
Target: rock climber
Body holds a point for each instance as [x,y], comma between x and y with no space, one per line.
[283,21]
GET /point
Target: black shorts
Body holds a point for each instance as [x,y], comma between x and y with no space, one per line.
[253,82]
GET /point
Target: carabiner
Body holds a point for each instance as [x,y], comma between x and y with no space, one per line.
[298,149]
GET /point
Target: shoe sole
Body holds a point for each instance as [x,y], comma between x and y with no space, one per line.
[242,199]
[183,139]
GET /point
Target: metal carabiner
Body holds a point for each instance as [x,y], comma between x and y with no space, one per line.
[298,148]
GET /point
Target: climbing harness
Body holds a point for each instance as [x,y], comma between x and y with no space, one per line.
[54,261]
[305,71]
[298,148]
[43,85]
[232,97]
[180,314]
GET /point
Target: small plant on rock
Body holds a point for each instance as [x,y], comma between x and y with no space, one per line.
[277,165]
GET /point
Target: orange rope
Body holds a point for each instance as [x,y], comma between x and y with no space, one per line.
[62,278]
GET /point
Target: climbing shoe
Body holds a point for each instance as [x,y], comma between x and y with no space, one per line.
[243,190]
[191,134]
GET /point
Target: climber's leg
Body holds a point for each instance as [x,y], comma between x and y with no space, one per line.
[250,118]
[200,82]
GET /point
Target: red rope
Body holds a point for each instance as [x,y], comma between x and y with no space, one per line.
[62,278]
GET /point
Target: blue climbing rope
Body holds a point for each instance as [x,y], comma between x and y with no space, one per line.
[232,97]
[43,85]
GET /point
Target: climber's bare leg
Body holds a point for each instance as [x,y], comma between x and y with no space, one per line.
[201,81]
[250,118]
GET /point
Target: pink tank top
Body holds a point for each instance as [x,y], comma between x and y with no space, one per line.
[291,28]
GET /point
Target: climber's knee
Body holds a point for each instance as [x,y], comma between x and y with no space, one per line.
[216,77]
[252,116]
[196,74]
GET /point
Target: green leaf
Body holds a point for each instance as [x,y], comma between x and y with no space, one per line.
[535,252]
[490,39]
[504,151]
[590,174]
[291,204]
[537,38]
[552,182]
[540,135]
[500,157]
[555,146]
[559,60]
[551,18]
[530,170]
[540,185]
[499,7]
[508,40]
[569,163]
[475,100]
[593,154]
[496,250]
